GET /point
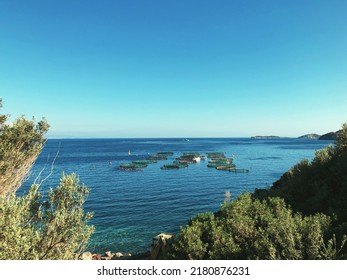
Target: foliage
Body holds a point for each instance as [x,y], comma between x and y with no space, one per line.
[20,144]
[319,186]
[35,226]
[56,228]
[248,228]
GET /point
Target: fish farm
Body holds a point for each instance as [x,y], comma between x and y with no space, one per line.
[216,160]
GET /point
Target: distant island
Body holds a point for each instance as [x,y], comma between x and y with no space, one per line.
[310,136]
[327,136]
[330,136]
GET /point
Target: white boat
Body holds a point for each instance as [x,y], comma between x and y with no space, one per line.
[196,159]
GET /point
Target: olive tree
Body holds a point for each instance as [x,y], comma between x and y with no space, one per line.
[37,225]
[20,144]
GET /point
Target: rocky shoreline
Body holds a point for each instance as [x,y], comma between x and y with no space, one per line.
[158,247]
[88,256]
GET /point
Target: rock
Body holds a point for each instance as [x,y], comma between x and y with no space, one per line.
[97,257]
[118,255]
[159,245]
[87,256]
[127,255]
[108,254]
[164,236]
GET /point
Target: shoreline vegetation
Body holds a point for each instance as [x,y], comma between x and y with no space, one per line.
[303,215]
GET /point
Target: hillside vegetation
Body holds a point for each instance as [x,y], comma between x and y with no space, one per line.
[302,216]
[317,186]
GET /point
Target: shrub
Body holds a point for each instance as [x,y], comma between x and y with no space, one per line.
[248,228]
[32,227]
[20,144]
[317,186]
[35,226]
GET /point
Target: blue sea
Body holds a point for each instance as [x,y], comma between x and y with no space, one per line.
[130,208]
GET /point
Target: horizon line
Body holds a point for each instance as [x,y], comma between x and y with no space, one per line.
[187,139]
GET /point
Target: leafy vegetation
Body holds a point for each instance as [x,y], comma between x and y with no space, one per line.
[318,186]
[32,227]
[37,226]
[302,216]
[248,228]
[20,144]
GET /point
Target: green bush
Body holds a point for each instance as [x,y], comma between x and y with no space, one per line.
[56,227]
[248,228]
[317,186]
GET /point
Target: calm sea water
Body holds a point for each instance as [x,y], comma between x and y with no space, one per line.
[132,207]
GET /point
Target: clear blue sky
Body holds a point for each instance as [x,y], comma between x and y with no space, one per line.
[175,68]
